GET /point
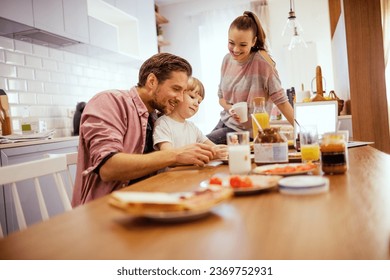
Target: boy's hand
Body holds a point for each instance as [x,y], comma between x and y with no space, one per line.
[197,154]
[221,151]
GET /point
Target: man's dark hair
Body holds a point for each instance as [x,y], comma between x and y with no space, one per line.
[162,65]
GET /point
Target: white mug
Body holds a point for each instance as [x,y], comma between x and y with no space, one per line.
[241,109]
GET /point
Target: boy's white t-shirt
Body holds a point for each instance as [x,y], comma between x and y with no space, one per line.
[179,134]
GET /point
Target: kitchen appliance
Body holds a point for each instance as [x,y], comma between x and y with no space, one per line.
[5,117]
[22,32]
[322,114]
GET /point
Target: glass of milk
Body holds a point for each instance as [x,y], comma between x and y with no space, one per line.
[239,152]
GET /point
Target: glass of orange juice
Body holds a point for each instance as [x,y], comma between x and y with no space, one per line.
[310,147]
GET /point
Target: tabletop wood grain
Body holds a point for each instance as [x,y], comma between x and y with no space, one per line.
[351,221]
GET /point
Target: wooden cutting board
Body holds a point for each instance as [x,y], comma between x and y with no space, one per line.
[319,95]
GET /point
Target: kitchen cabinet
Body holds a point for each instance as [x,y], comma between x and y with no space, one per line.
[67,18]
[76,20]
[103,35]
[142,41]
[17,10]
[48,16]
[26,152]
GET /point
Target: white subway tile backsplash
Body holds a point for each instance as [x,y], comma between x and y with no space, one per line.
[34,62]
[44,99]
[57,77]
[90,72]
[77,70]
[25,73]
[56,54]
[40,50]
[38,111]
[82,60]
[7,70]
[98,83]
[14,58]
[18,111]
[3,83]
[71,79]
[50,82]
[64,67]
[84,81]
[27,98]
[66,89]
[24,47]
[56,111]
[51,88]
[70,57]
[93,62]
[61,122]
[6,43]
[17,85]
[42,75]
[49,64]
[13,97]
[15,123]
[35,86]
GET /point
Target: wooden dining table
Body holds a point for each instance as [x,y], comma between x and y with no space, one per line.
[349,221]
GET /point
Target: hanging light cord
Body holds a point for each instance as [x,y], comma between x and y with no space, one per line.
[291,14]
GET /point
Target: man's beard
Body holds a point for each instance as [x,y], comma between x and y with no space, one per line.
[155,104]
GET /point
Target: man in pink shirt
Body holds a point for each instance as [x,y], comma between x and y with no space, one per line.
[116,144]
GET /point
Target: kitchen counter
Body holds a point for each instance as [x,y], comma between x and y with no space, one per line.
[37,142]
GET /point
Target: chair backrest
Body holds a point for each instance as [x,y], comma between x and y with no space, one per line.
[33,170]
[71,160]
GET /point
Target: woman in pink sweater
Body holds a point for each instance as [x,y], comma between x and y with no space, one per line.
[247,72]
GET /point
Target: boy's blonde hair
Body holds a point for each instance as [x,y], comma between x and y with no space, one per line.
[195,85]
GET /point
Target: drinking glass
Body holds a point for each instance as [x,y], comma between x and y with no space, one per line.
[239,152]
[310,148]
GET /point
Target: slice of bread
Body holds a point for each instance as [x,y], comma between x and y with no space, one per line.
[148,202]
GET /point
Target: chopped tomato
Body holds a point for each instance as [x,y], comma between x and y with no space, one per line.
[215,181]
[240,182]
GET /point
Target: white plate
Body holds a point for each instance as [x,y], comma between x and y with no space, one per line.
[265,182]
[264,168]
[299,182]
[301,185]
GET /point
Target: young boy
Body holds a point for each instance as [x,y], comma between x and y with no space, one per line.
[174,130]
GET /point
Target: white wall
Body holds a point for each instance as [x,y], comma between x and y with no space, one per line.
[182,31]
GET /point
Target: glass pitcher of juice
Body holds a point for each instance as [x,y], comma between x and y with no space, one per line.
[260,114]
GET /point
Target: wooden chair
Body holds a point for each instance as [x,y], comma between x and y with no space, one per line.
[34,170]
[71,160]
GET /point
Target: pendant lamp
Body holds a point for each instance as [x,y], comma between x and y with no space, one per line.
[294,28]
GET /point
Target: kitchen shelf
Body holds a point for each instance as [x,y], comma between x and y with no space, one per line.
[163,43]
[161,19]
